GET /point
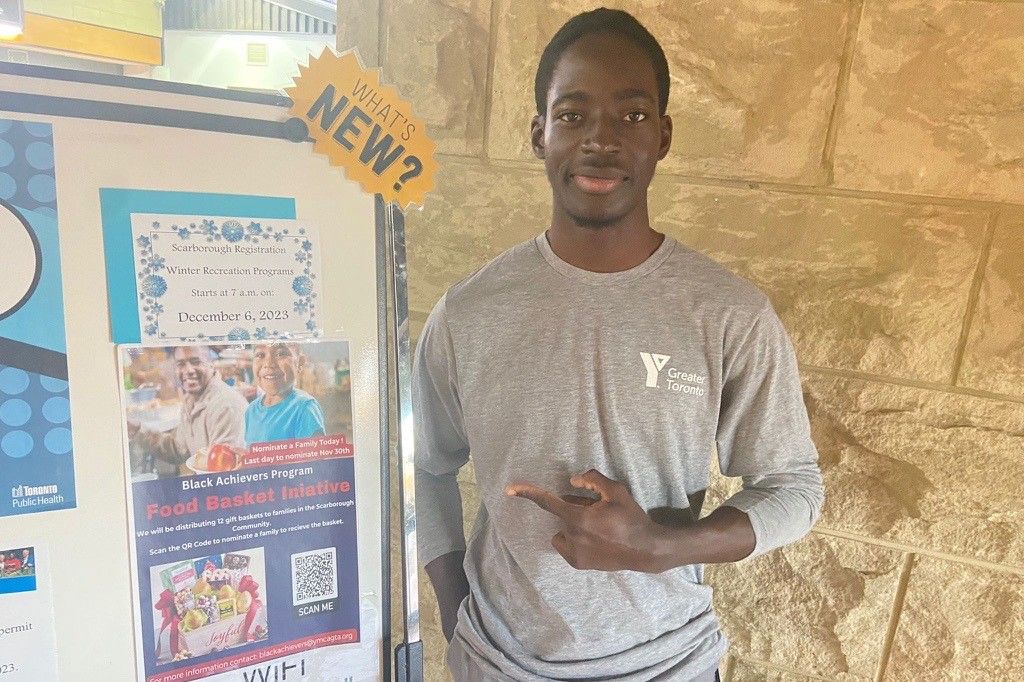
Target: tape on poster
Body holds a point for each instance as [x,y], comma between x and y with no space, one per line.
[364,127]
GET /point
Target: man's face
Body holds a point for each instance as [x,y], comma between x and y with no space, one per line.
[601,136]
[193,367]
[274,365]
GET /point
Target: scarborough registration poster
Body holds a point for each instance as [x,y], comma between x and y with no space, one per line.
[241,490]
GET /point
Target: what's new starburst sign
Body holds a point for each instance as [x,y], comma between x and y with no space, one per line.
[364,127]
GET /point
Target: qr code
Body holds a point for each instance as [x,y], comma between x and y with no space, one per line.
[314,576]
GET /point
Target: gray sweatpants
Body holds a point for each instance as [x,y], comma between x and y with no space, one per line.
[464,669]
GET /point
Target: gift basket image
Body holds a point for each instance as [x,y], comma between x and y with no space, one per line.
[208,604]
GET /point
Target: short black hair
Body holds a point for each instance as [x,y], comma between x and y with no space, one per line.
[602,20]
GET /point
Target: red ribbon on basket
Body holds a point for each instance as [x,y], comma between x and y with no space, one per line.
[170,614]
[247,584]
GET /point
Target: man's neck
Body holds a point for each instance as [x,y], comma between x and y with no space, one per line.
[612,248]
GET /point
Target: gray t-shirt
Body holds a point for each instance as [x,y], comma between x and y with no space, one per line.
[542,370]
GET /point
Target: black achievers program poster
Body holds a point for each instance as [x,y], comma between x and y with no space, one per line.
[242,497]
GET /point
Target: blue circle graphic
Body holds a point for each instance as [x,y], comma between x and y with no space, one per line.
[57,410]
[13,380]
[39,155]
[6,153]
[15,412]
[16,444]
[53,385]
[58,441]
[37,129]
[42,188]
[8,187]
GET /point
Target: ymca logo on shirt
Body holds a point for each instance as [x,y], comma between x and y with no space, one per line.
[671,379]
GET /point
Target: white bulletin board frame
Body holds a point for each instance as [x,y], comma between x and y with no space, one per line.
[114,132]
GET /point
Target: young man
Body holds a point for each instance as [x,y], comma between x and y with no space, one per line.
[594,371]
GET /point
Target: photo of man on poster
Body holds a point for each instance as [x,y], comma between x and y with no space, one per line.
[211,412]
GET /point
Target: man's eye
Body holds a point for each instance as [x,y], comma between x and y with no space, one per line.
[636,116]
[570,117]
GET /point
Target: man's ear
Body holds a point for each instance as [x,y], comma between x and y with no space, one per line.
[666,136]
[537,136]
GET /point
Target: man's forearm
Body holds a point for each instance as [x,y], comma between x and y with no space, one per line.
[450,585]
[724,536]
[163,445]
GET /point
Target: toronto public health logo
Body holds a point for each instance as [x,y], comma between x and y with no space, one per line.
[677,381]
[35,495]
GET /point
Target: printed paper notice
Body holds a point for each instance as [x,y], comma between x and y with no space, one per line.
[242,495]
[28,651]
[207,278]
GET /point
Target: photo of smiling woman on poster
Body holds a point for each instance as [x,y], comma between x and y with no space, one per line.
[280,411]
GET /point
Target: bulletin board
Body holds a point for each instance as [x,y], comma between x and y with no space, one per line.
[183,150]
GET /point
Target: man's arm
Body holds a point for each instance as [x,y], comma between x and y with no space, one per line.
[442,448]
[226,422]
[448,578]
[764,435]
[441,542]
[725,535]
[613,533]
[168,446]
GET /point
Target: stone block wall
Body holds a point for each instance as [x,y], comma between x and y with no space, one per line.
[863,162]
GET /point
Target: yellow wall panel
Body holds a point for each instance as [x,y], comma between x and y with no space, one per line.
[87,39]
[136,16]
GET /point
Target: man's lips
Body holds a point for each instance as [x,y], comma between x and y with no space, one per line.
[593,184]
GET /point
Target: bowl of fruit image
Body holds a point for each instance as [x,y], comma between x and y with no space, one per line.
[216,459]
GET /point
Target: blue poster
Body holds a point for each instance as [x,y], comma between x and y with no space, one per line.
[37,470]
[241,488]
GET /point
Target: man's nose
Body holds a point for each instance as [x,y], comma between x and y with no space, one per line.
[603,135]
